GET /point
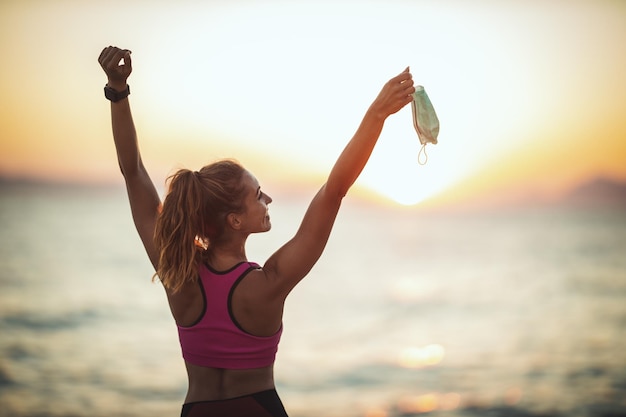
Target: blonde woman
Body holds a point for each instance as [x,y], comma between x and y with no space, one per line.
[228,309]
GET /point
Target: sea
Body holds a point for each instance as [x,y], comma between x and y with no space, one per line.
[510,312]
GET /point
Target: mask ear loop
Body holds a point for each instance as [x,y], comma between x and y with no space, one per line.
[419,155]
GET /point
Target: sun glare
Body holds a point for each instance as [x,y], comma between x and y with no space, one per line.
[290,82]
[395,173]
[303,95]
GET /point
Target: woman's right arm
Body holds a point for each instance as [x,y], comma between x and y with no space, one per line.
[143,197]
[287,266]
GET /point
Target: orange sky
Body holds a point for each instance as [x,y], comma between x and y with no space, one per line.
[527,94]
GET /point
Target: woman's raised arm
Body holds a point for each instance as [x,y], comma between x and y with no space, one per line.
[295,259]
[143,197]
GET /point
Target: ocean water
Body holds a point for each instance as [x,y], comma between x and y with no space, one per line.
[517,313]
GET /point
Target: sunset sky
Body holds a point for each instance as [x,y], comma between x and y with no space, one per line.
[528,93]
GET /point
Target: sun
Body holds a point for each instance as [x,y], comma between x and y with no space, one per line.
[405,193]
[394,172]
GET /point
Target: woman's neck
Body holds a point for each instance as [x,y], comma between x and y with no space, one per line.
[223,256]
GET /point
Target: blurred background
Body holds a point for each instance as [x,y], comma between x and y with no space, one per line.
[491,281]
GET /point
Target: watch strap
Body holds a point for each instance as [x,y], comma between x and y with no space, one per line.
[114,95]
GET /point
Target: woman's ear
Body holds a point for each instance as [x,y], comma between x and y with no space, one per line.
[233,221]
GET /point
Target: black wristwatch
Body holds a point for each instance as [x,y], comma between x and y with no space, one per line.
[114,95]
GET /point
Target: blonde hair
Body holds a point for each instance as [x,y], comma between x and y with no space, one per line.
[194,211]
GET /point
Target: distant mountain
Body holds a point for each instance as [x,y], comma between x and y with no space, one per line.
[599,192]
[52,185]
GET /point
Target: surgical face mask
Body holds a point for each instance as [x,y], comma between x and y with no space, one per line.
[425,121]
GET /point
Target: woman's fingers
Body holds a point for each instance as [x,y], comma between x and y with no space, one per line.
[110,60]
[111,56]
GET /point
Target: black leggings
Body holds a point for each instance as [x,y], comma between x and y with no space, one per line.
[261,404]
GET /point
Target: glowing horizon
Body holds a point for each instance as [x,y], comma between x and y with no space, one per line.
[526,94]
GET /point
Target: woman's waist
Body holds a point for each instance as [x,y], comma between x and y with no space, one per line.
[210,384]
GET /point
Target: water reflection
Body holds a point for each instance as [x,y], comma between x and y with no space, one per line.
[513,396]
[376,412]
[420,357]
[426,403]
[418,404]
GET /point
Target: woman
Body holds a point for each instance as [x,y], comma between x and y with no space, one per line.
[229,310]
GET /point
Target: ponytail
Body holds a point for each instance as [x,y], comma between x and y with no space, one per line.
[193,217]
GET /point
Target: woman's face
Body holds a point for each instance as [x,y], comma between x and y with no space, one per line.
[255,218]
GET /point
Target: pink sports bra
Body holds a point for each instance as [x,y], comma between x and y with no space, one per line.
[216,340]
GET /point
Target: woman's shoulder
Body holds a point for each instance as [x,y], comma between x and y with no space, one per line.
[226,268]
